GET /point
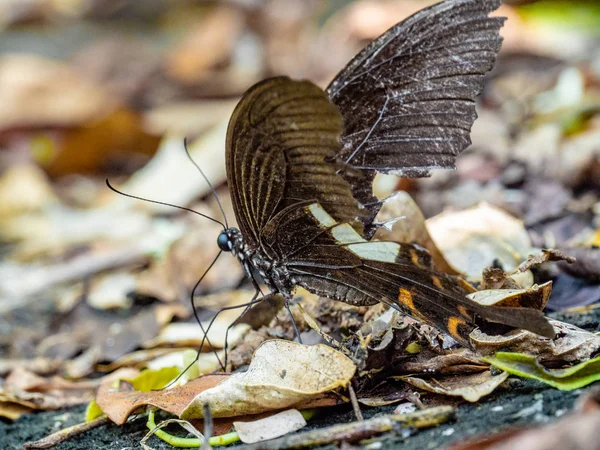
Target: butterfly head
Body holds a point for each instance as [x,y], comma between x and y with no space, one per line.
[229,239]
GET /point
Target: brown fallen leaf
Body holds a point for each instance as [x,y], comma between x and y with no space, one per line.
[470,387]
[282,374]
[207,45]
[119,403]
[34,392]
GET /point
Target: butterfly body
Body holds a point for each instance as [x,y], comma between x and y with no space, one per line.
[300,163]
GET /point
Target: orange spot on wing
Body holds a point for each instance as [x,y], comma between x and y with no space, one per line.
[414,257]
[437,283]
[453,324]
[463,311]
[405,298]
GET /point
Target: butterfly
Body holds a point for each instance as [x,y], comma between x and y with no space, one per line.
[301,161]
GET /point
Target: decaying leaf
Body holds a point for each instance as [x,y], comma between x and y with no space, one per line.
[527,366]
[456,362]
[535,297]
[571,344]
[34,392]
[281,374]
[470,387]
[475,238]
[270,427]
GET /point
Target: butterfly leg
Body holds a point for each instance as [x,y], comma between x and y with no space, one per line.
[249,305]
[287,306]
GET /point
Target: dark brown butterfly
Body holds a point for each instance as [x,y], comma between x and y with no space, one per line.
[301,161]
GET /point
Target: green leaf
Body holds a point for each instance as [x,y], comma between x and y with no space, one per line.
[150,380]
[526,366]
[92,411]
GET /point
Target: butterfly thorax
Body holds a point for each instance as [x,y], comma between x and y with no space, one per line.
[275,276]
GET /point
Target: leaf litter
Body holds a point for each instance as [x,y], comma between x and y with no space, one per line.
[89,280]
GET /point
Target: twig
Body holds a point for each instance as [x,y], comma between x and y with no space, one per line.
[354,401]
[66,434]
[356,431]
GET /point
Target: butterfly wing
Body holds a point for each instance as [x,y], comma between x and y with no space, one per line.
[293,204]
[399,275]
[281,145]
[408,99]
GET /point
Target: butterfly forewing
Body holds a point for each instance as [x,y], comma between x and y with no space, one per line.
[281,143]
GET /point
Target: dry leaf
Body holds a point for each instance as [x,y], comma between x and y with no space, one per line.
[470,387]
[476,237]
[270,427]
[190,334]
[281,374]
[118,404]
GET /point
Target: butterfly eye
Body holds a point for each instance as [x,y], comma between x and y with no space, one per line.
[224,242]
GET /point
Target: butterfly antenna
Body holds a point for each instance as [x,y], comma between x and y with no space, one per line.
[163,203]
[204,332]
[212,189]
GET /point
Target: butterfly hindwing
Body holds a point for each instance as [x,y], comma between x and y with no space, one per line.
[401,276]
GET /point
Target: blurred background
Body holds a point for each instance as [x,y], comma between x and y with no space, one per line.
[96,89]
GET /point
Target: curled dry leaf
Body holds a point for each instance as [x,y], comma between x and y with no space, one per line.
[404,222]
[270,427]
[282,374]
[571,344]
[535,297]
[475,238]
[470,387]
